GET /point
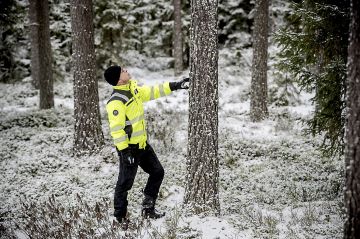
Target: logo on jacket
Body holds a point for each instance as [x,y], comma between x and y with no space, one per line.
[115,112]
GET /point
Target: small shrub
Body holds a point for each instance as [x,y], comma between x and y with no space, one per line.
[7,227]
[310,215]
[254,216]
[172,224]
[52,220]
[284,122]
[30,119]
[270,224]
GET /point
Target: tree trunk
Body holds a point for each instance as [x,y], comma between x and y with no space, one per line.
[88,133]
[41,55]
[202,189]
[258,102]
[34,38]
[352,153]
[177,38]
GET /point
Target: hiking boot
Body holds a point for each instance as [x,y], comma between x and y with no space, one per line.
[152,213]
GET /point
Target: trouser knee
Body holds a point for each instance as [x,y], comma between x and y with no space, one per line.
[123,186]
[159,173]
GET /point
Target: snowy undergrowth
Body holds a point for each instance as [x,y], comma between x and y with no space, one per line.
[274,183]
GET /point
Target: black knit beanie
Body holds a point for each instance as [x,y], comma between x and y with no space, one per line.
[112,75]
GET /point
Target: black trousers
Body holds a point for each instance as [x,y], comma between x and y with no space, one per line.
[148,161]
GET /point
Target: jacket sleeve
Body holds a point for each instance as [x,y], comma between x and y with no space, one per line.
[153,92]
[116,116]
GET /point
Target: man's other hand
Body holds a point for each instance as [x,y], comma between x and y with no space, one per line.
[127,156]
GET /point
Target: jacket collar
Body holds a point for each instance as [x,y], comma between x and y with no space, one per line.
[122,87]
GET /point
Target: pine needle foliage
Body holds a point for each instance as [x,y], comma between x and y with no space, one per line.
[314,51]
[144,26]
[12,44]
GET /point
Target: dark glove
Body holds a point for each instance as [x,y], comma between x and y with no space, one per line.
[184,84]
[127,156]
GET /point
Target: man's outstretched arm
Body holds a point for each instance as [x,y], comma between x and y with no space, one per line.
[160,90]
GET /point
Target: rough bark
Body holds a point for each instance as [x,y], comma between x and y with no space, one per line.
[352,153]
[41,55]
[88,133]
[34,36]
[202,189]
[177,41]
[258,102]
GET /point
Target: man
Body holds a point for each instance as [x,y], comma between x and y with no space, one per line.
[127,126]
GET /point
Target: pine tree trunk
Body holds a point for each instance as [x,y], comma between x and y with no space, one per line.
[258,102]
[34,37]
[41,55]
[202,189]
[88,133]
[352,155]
[177,38]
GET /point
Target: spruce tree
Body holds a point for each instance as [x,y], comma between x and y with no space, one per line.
[114,24]
[145,27]
[314,52]
[234,19]
[12,23]
[60,30]
[7,22]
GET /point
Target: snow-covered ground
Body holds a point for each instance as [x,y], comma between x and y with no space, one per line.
[274,183]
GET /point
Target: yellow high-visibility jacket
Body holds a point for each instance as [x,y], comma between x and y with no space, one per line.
[126,112]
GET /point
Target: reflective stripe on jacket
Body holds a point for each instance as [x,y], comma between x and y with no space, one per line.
[126,112]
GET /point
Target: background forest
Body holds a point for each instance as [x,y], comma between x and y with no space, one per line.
[141,27]
[282,177]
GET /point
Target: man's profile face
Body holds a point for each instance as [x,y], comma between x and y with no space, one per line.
[124,77]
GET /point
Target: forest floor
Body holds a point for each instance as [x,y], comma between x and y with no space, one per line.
[274,182]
